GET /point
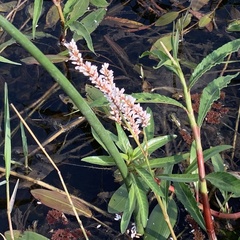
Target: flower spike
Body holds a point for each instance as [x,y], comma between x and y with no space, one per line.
[123,107]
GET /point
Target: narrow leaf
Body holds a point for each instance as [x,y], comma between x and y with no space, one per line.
[225,182]
[162,162]
[92,20]
[78,10]
[5,60]
[179,177]
[123,141]
[36,15]
[157,227]
[118,200]
[148,179]
[149,130]
[185,195]
[142,201]
[210,94]
[166,18]
[152,145]
[59,201]
[207,154]
[128,210]
[82,31]
[99,3]
[156,98]
[7,143]
[68,7]
[100,160]
[214,58]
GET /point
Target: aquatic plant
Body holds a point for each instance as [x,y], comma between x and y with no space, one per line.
[138,169]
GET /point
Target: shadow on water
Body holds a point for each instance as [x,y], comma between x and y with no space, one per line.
[28,83]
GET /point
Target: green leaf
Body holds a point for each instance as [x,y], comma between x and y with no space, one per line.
[78,10]
[207,154]
[166,18]
[7,128]
[5,60]
[156,98]
[179,177]
[118,200]
[183,22]
[205,20]
[162,162]
[225,182]
[218,163]
[27,235]
[142,201]
[148,179]
[82,31]
[166,40]
[36,15]
[214,58]
[98,139]
[123,141]
[149,130]
[152,145]
[99,3]
[234,26]
[100,160]
[128,210]
[68,7]
[157,228]
[186,197]
[210,94]
[92,20]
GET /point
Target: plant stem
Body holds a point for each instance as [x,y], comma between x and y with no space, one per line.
[72,93]
[200,160]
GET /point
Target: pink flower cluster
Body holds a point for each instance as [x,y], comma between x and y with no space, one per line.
[122,106]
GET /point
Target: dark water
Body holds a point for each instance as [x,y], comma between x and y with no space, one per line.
[27,83]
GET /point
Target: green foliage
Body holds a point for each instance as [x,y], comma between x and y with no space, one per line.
[208,153]
[226,182]
[156,98]
[156,226]
[234,26]
[210,94]
[37,10]
[186,197]
[26,235]
[7,145]
[82,21]
[214,58]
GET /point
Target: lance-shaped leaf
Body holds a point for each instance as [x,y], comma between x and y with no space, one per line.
[185,195]
[156,98]
[210,94]
[162,162]
[36,15]
[59,201]
[152,145]
[214,58]
[141,198]
[118,200]
[128,210]
[157,227]
[207,154]
[225,182]
[100,160]
[148,179]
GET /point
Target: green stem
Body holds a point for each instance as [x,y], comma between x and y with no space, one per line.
[200,160]
[71,92]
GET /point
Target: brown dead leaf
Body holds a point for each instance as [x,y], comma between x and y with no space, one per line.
[59,201]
